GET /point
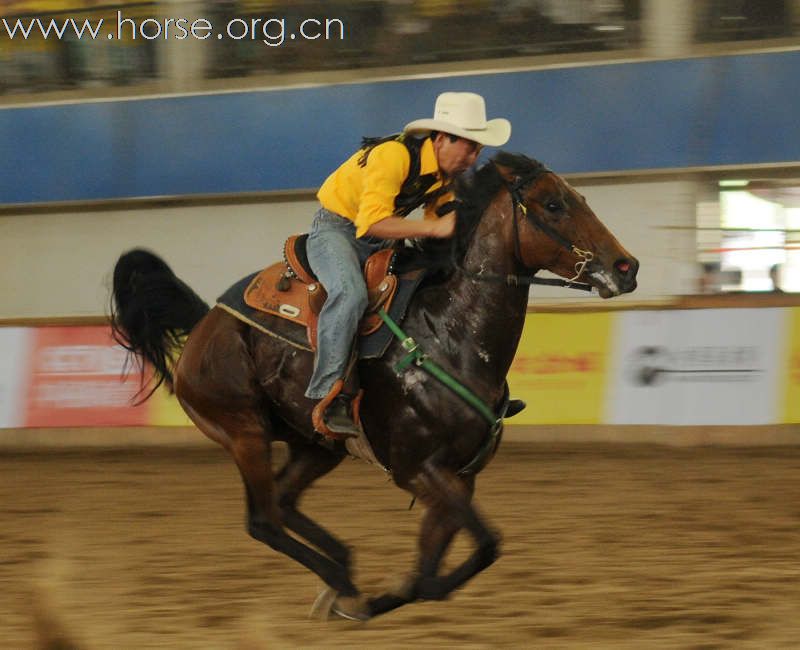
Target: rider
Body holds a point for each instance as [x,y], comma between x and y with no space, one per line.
[364,203]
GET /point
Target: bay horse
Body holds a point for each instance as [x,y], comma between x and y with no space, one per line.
[244,388]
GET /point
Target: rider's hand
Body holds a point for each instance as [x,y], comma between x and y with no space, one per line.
[444,227]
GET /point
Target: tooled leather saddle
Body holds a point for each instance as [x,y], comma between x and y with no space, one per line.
[290,290]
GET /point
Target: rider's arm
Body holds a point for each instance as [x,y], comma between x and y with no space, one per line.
[400,228]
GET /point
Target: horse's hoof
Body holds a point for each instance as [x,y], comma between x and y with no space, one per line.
[321,609]
[353,608]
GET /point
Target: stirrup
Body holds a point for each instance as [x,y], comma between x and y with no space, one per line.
[341,428]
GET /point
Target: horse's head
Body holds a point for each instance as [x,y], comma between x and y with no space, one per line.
[554,228]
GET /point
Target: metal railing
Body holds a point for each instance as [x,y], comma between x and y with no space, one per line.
[734,20]
[43,51]
[373,33]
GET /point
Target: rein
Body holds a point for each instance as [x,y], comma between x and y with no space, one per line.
[495,420]
[515,191]
[414,355]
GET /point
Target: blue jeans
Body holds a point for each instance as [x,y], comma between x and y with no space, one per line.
[337,257]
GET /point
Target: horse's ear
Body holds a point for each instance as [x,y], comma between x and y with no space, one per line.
[507,174]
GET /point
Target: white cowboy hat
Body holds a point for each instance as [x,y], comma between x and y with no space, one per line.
[464,115]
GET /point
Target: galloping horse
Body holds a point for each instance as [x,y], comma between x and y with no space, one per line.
[244,389]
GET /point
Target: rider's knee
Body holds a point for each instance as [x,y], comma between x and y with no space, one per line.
[352,295]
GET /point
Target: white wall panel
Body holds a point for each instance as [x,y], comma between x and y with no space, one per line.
[60,264]
[14,346]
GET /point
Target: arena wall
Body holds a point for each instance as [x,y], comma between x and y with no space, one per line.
[215,183]
[592,119]
[724,370]
[59,263]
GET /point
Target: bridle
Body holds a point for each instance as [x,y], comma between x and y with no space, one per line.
[518,205]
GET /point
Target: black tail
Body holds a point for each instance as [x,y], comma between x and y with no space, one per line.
[151,311]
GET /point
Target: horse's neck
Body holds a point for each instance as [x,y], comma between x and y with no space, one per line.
[491,249]
[490,312]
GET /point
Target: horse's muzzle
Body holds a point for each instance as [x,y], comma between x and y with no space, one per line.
[615,279]
[625,270]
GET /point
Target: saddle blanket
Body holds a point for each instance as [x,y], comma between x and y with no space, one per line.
[372,346]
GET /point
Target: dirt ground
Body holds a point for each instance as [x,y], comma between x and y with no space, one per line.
[605,546]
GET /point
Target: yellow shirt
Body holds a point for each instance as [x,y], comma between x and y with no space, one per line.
[366,195]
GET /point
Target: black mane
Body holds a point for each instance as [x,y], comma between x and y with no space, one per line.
[474,193]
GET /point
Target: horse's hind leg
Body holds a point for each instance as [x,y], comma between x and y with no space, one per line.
[307,462]
[448,500]
[217,386]
[252,456]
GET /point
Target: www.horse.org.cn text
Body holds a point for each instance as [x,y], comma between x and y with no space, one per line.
[271,31]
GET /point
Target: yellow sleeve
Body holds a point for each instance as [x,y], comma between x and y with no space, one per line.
[386,170]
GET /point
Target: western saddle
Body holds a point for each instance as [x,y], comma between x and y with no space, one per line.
[290,290]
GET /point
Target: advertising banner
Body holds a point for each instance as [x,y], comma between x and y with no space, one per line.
[14,344]
[164,410]
[702,367]
[791,369]
[75,379]
[670,367]
[560,368]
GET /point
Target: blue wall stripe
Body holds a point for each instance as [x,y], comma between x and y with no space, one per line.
[732,110]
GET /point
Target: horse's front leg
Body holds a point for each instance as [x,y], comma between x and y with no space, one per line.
[448,499]
[436,533]
[444,484]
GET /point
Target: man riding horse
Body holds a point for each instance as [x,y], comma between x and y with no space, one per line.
[242,384]
[363,208]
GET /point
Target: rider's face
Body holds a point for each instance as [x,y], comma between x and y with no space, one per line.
[455,157]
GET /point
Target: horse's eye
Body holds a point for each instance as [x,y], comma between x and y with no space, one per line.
[554,206]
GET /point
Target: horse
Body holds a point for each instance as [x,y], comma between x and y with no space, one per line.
[244,389]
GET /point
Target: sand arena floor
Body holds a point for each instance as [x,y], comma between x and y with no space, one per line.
[604,547]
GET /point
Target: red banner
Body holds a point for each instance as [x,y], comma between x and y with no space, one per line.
[75,379]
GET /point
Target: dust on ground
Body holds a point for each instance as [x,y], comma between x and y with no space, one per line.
[604,546]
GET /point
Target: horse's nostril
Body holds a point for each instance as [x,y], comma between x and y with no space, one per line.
[626,267]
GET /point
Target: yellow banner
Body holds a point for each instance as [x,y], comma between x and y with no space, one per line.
[165,411]
[560,368]
[791,370]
